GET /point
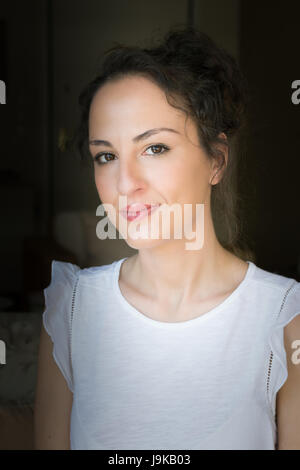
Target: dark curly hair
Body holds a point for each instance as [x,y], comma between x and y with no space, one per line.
[202,80]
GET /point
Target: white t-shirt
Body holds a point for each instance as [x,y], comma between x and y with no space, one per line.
[138,383]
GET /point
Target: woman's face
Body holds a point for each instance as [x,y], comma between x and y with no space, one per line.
[166,167]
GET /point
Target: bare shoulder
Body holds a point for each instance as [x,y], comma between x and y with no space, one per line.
[288,397]
[53,401]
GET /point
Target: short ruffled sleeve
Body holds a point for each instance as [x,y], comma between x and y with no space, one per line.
[57,315]
[278,370]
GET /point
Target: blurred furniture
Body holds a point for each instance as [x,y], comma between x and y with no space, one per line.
[20,333]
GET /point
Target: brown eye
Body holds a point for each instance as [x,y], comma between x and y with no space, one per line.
[155,147]
[97,158]
[110,157]
[158,149]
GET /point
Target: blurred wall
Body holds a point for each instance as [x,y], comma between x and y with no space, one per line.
[271,159]
[220,19]
[23,130]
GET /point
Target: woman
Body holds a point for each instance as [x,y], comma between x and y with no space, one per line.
[172,348]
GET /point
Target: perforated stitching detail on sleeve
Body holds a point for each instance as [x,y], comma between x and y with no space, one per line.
[271,354]
[71,325]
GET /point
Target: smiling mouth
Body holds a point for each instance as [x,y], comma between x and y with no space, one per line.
[137,215]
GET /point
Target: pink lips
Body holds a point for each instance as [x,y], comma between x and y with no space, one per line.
[138,211]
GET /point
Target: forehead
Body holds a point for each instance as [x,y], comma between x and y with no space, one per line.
[135,99]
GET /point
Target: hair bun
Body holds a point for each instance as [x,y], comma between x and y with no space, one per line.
[216,73]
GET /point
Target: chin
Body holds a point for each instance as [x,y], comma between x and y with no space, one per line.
[140,243]
[144,239]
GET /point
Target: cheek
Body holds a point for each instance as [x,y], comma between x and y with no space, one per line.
[167,181]
[189,182]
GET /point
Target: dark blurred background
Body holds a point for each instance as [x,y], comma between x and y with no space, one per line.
[49,49]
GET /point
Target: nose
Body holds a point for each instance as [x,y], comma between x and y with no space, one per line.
[130,178]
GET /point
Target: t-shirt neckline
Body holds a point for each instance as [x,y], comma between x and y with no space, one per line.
[181,324]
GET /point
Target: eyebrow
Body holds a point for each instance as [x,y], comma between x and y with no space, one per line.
[142,136]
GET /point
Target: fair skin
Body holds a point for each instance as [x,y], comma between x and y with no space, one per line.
[152,280]
[120,111]
[288,396]
[53,401]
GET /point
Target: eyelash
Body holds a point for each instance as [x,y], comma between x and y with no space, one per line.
[96,157]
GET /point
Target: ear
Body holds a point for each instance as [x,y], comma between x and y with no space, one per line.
[220,161]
